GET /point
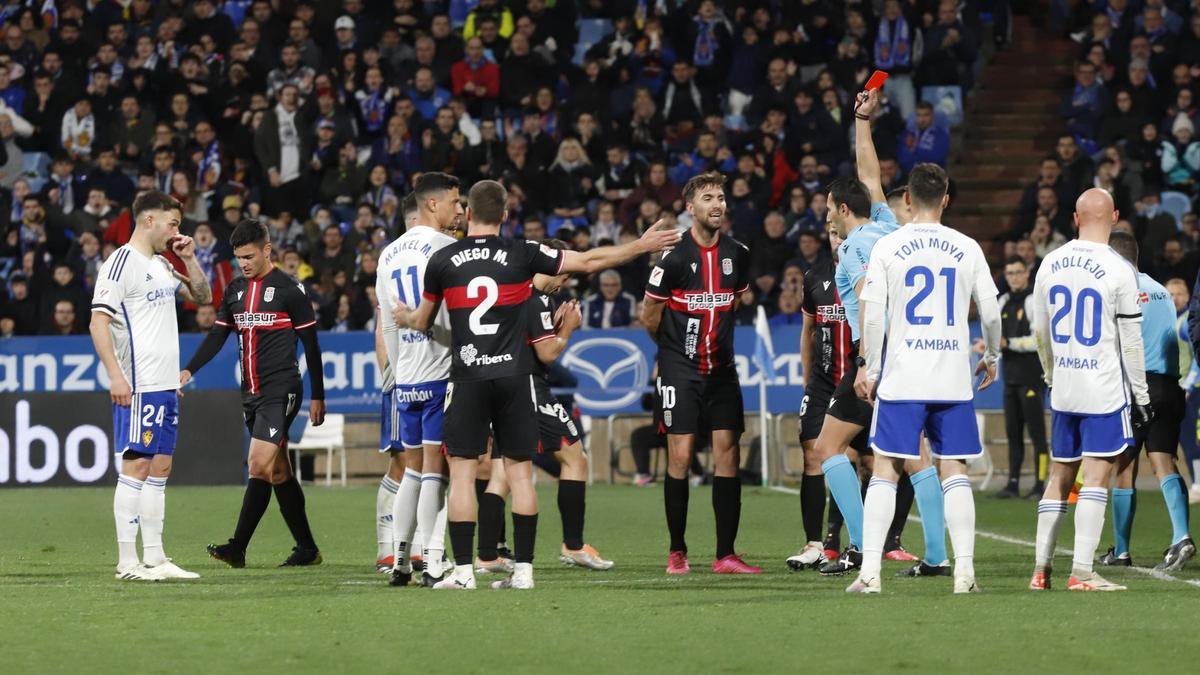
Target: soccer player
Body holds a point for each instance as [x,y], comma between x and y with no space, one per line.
[690,300]
[1087,322]
[421,364]
[134,331]
[550,328]
[918,289]
[857,207]
[269,310]
[1161,436]
[484,281]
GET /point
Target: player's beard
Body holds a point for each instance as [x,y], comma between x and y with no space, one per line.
[711,223]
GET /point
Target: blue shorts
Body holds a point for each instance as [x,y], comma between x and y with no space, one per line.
[420,410]
[149,425]
[389,423]
[1073,437]
[951,428]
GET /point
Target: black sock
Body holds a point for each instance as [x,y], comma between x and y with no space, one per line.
[501,523]
[480,488]
[834,526]
[291,505]
[254,505]
[571,504]
[904,502]
[491,517]
[524,537]
[675,497]
[462,534]
[727,510]
[812,505]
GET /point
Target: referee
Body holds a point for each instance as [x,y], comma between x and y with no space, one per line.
[1024,390]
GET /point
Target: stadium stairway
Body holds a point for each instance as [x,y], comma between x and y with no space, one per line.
[1011,123]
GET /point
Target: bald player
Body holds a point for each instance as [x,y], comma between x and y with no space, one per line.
[1087,321]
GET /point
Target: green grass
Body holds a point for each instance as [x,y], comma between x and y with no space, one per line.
[61,609]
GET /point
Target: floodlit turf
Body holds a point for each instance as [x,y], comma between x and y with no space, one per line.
[62,609]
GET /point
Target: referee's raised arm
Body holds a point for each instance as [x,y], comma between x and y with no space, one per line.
[865,158]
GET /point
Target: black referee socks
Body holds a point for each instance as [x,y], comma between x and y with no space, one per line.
[675,499]
[727,509]
[812,506]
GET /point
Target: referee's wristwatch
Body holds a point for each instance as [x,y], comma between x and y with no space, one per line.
[860,362]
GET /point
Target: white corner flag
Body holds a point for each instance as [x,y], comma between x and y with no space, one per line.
[764,358]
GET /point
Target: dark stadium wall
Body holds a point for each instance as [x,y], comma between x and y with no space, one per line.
[65,439]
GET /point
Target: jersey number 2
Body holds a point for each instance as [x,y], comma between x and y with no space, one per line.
[924,276]
[490,293]
[1085,335]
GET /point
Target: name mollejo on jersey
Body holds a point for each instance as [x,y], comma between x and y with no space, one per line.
[1086,264]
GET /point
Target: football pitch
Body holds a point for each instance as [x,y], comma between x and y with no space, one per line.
[63,610]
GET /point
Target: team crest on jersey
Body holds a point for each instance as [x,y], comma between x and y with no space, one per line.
[269,295]
[147,436]
[727,265]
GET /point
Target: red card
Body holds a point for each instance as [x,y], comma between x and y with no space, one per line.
[877,80]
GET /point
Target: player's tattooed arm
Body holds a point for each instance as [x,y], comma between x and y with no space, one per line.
[865,158]
[196,289]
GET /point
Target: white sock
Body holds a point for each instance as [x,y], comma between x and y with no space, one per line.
[125,514]
[152,510]
[383,516]
[878,508]
[404,515]
[960,521]
[1050,516]
[432,501]
[464,572]
[1089,522]
[1196,473]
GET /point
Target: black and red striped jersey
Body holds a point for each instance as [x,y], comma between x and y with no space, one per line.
[831,356]
[700,286]
[266,313]
[539,311]
[484,282]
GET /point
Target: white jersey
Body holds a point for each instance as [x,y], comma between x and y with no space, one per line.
[416,357]
[926,274]
[139,294]
[1082,288]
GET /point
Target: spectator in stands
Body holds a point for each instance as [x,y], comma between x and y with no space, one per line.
[1122,122]
[768,252]
[63,320]
[950,49]
[280,148]
[64,287]
[1077,168]
[572,182]
[656,184]
[924,140]
[1084,106]
[1107,178]
[1181,156]
[787,311]
[811,131]
[94,215]
[1044,237]
[1175,262]
[611,307]
[332,255]
[897,46]
[20,307]
[477,80]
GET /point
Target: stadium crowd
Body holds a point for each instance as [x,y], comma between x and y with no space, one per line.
[317,116]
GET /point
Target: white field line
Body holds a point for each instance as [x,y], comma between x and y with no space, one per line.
[1148,571]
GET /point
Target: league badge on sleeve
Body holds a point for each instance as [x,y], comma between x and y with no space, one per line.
[548,251]
[547,321]
[656,276]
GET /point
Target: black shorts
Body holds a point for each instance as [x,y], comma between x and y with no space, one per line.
[813,408]
[270,412]
[476,409]
[845,404]
[689,406]
[556,428]
[1167,399]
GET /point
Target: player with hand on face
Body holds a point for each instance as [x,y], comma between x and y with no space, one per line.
[134,330]
[269,310]
[918,290]
[1088,326]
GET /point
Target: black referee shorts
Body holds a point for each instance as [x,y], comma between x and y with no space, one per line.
[813,408]
[269,413]
[477,408]
[1168,401]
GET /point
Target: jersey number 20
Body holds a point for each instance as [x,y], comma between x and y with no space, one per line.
[1085,335]
[924,277]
